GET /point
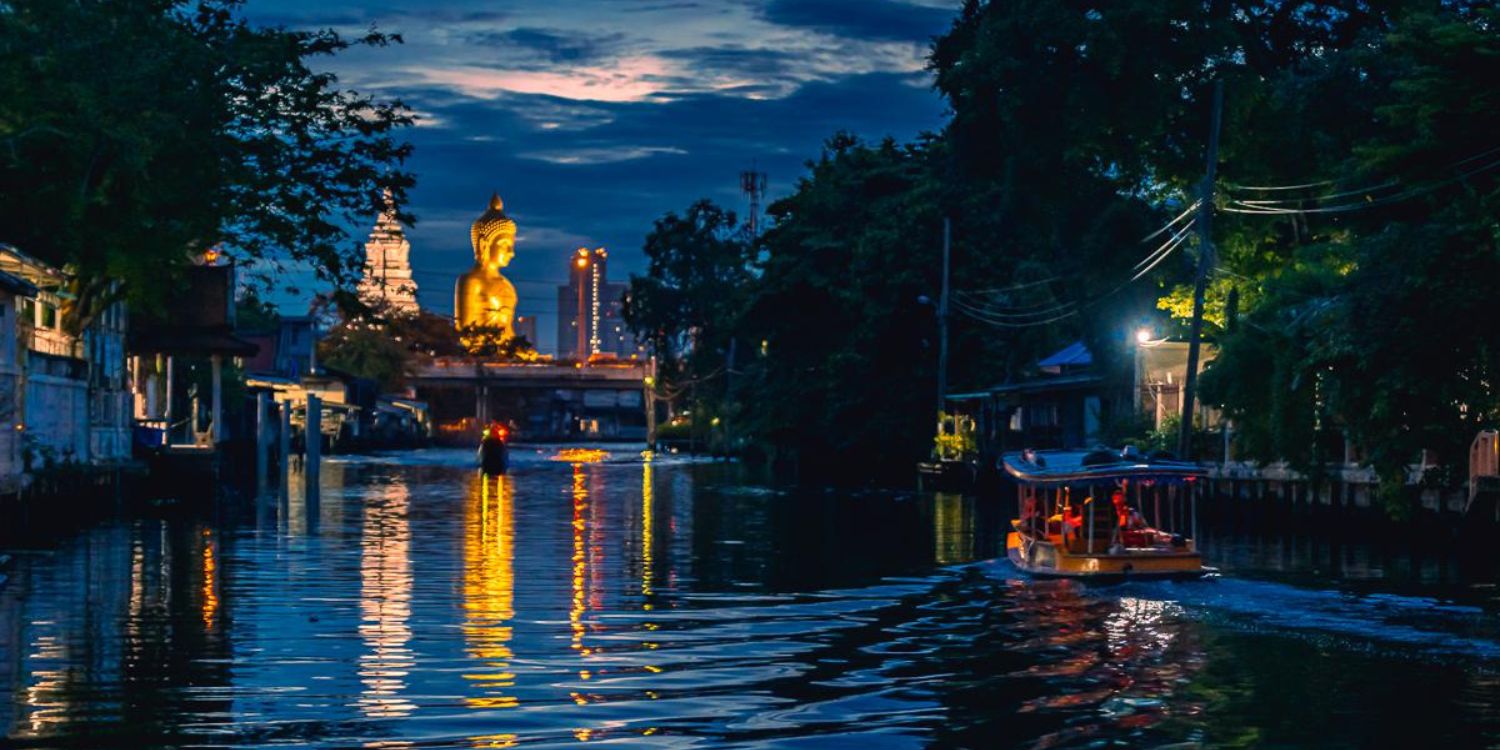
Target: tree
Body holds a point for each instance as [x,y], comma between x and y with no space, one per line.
[1077,128]
[1377,318]
[387,345]
[197,130]
[688,304]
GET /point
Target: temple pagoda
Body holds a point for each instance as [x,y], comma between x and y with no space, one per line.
[387,276]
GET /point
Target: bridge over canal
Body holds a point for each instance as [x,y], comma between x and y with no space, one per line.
[601,400]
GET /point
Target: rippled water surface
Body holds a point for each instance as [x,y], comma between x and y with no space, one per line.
[412,603]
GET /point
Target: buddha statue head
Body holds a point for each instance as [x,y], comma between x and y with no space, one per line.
[493,236]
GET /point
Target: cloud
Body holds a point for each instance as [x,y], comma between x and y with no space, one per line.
[627,79]
[737,62]
[593,118]
[600,155]
[540,49]
[891,20]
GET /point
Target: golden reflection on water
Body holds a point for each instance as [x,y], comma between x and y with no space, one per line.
[489,587]
[210,604]
[385,603]
[581,455]
[952,528]
[647,500]
[496,740]
[47,696]
[580,558]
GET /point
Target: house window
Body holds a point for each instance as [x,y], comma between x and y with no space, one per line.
[28,310]
[1044,415]
[49,316]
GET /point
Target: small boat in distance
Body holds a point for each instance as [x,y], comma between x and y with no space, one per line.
[1104,515]
[494,451]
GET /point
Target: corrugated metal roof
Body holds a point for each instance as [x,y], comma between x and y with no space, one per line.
[1076,354]
[16,285]
[1056,382]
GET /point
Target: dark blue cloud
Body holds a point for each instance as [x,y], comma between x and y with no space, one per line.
[702,142]
[866,19]
[761,64]
[537,48]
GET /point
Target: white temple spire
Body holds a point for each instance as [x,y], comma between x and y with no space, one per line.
[388,276]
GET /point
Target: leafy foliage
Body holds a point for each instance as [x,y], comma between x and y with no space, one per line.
[386,346]
[137,133]
[1077,128]
[1376,321]
[689,301]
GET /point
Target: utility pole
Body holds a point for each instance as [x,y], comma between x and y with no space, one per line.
[942,377]
[1205,257]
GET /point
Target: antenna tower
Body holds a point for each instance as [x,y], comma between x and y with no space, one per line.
[753,185]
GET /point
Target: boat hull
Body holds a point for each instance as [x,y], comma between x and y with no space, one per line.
[494,457]
[1044,559]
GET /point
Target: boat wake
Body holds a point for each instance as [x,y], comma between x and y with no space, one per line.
[1352,621]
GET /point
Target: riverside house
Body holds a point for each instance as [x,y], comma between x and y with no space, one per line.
[64,394]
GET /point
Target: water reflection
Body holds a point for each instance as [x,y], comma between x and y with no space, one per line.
[423,605]
[385,603]
[580,559]
[952,528]
[119,631]
[648,500]
[489,588]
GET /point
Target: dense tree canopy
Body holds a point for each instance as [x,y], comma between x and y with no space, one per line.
[387,346]
[136,133]
[1355,223]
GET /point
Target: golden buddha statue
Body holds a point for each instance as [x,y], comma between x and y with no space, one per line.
[483,298]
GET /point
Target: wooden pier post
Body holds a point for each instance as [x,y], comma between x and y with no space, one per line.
[216,367]
[262,438]
[284,440]
[166,411]
[312,434]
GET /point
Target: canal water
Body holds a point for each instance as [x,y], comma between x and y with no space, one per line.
[595,597]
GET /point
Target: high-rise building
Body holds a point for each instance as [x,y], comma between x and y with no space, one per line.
[589,310]
[387,276]
[525,327]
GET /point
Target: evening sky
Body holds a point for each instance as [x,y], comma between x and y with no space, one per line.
[591,118]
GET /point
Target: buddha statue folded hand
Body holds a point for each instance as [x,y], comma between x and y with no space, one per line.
[483,297]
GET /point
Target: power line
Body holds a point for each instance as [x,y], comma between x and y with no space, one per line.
[1152,258]
[1015,316]
[984,318]
[1070,309]
[1249,203]
[1012,287]
[1041,315]
[1241,207]
[1186,213]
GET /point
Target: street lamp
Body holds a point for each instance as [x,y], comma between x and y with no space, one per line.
[1143,336]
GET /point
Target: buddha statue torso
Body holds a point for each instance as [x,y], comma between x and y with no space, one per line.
[483,297]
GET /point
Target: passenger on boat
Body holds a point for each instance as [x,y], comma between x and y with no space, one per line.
[1070,520]
[1130,518]
[1134,532]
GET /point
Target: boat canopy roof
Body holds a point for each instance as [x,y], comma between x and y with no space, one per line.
[1055,468]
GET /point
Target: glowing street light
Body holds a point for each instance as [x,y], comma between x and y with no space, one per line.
[1143,336]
